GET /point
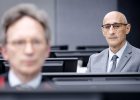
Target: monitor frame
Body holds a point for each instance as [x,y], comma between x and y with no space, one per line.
[52,64]
[81,55]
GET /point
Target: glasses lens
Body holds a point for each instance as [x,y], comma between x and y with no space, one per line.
[115,25]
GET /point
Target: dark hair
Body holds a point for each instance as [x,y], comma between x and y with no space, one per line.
[19,11]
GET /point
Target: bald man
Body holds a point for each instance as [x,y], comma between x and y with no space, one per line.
[120,56]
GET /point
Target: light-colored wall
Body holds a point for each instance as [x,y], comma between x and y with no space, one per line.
[48,5]
[73,22]
[79,21]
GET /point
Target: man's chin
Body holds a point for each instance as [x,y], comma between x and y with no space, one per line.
[113,44]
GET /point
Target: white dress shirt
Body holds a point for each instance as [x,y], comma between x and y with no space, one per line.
[14,80]
[119,54]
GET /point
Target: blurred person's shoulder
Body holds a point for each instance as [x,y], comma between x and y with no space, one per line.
[46,84]
[4,81]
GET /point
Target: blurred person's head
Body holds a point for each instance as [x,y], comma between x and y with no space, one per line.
[25,39]
[115,28]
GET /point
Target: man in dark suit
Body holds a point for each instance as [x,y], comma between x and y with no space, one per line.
[120,56]
[25,40]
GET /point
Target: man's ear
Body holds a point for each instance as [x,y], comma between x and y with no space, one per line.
[48,51]
[4,53]
[128,27]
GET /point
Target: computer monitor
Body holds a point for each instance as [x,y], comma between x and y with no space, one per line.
[92,47]
[81,55]
[70,94]
[80,89]
[110,84]
[52,65]
[59,47]
[60,65]
[95,81]
[2,67]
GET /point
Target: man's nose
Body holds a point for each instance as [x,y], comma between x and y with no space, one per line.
[111,30]
[29,48]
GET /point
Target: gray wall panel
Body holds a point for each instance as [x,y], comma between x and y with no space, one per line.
[73,22]
[47,5]
[79,21]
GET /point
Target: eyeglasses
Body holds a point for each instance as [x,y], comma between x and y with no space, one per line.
[21,44]
[115,26]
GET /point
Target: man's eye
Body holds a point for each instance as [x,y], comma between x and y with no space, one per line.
[117,26]
[18,42]
[107,26]
[37,42]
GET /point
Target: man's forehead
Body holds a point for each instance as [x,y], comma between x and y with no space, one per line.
[111,18]
[112,21]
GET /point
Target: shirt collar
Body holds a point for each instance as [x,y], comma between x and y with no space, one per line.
[119,53]
[14,80]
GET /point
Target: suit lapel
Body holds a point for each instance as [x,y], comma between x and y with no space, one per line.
[102,66]
[125,58]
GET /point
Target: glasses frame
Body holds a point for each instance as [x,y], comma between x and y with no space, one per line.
[118,25]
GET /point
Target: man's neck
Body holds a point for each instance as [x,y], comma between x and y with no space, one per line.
[115,49]
[24,78]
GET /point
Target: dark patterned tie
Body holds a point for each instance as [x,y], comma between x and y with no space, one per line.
[114,59]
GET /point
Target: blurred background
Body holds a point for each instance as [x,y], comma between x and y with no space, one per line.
[78,22]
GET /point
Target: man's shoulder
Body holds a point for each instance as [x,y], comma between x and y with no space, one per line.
[46,84]
[102,53]
[134,49]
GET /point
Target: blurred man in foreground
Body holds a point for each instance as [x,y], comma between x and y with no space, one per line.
[25,40]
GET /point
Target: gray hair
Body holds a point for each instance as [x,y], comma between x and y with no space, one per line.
[19,11]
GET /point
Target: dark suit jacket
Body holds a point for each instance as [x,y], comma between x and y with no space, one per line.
[129,62]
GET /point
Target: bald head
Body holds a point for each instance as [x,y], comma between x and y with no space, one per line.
[114,17]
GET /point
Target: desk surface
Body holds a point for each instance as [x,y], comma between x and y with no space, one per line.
[69,95]
[81,87]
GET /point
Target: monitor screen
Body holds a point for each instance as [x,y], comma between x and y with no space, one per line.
[95,79]
[92,47]
[2,66]
[68,89]
[81,55]
[60,65]
[59,47]
[51,65]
